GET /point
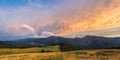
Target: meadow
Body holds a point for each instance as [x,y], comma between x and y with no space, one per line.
[53,53]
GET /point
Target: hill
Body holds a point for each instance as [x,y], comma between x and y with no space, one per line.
[66,44]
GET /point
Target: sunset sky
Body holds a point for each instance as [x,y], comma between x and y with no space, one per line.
[67,18]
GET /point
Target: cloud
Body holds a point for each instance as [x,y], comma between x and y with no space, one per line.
[29,28]
[44,34]
[70,18]
[96,15]
[111,32]
[34,33]
[35,4]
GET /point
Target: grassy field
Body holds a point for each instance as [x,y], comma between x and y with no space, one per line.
[7,51]
[55,54]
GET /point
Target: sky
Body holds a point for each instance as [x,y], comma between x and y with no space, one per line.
[67,18]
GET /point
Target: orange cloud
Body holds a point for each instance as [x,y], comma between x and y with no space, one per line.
[102,16]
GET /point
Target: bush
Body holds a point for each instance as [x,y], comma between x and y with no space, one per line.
[42,50]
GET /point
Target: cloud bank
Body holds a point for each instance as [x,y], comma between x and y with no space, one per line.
[67,18]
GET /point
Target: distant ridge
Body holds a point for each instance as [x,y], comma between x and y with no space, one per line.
[66,44]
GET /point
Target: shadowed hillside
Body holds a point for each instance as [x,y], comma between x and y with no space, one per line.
[66,44]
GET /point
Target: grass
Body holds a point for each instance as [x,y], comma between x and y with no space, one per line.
[55,54]
[33,56]
[6,51]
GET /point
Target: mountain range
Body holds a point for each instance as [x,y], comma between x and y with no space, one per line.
[65,44]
